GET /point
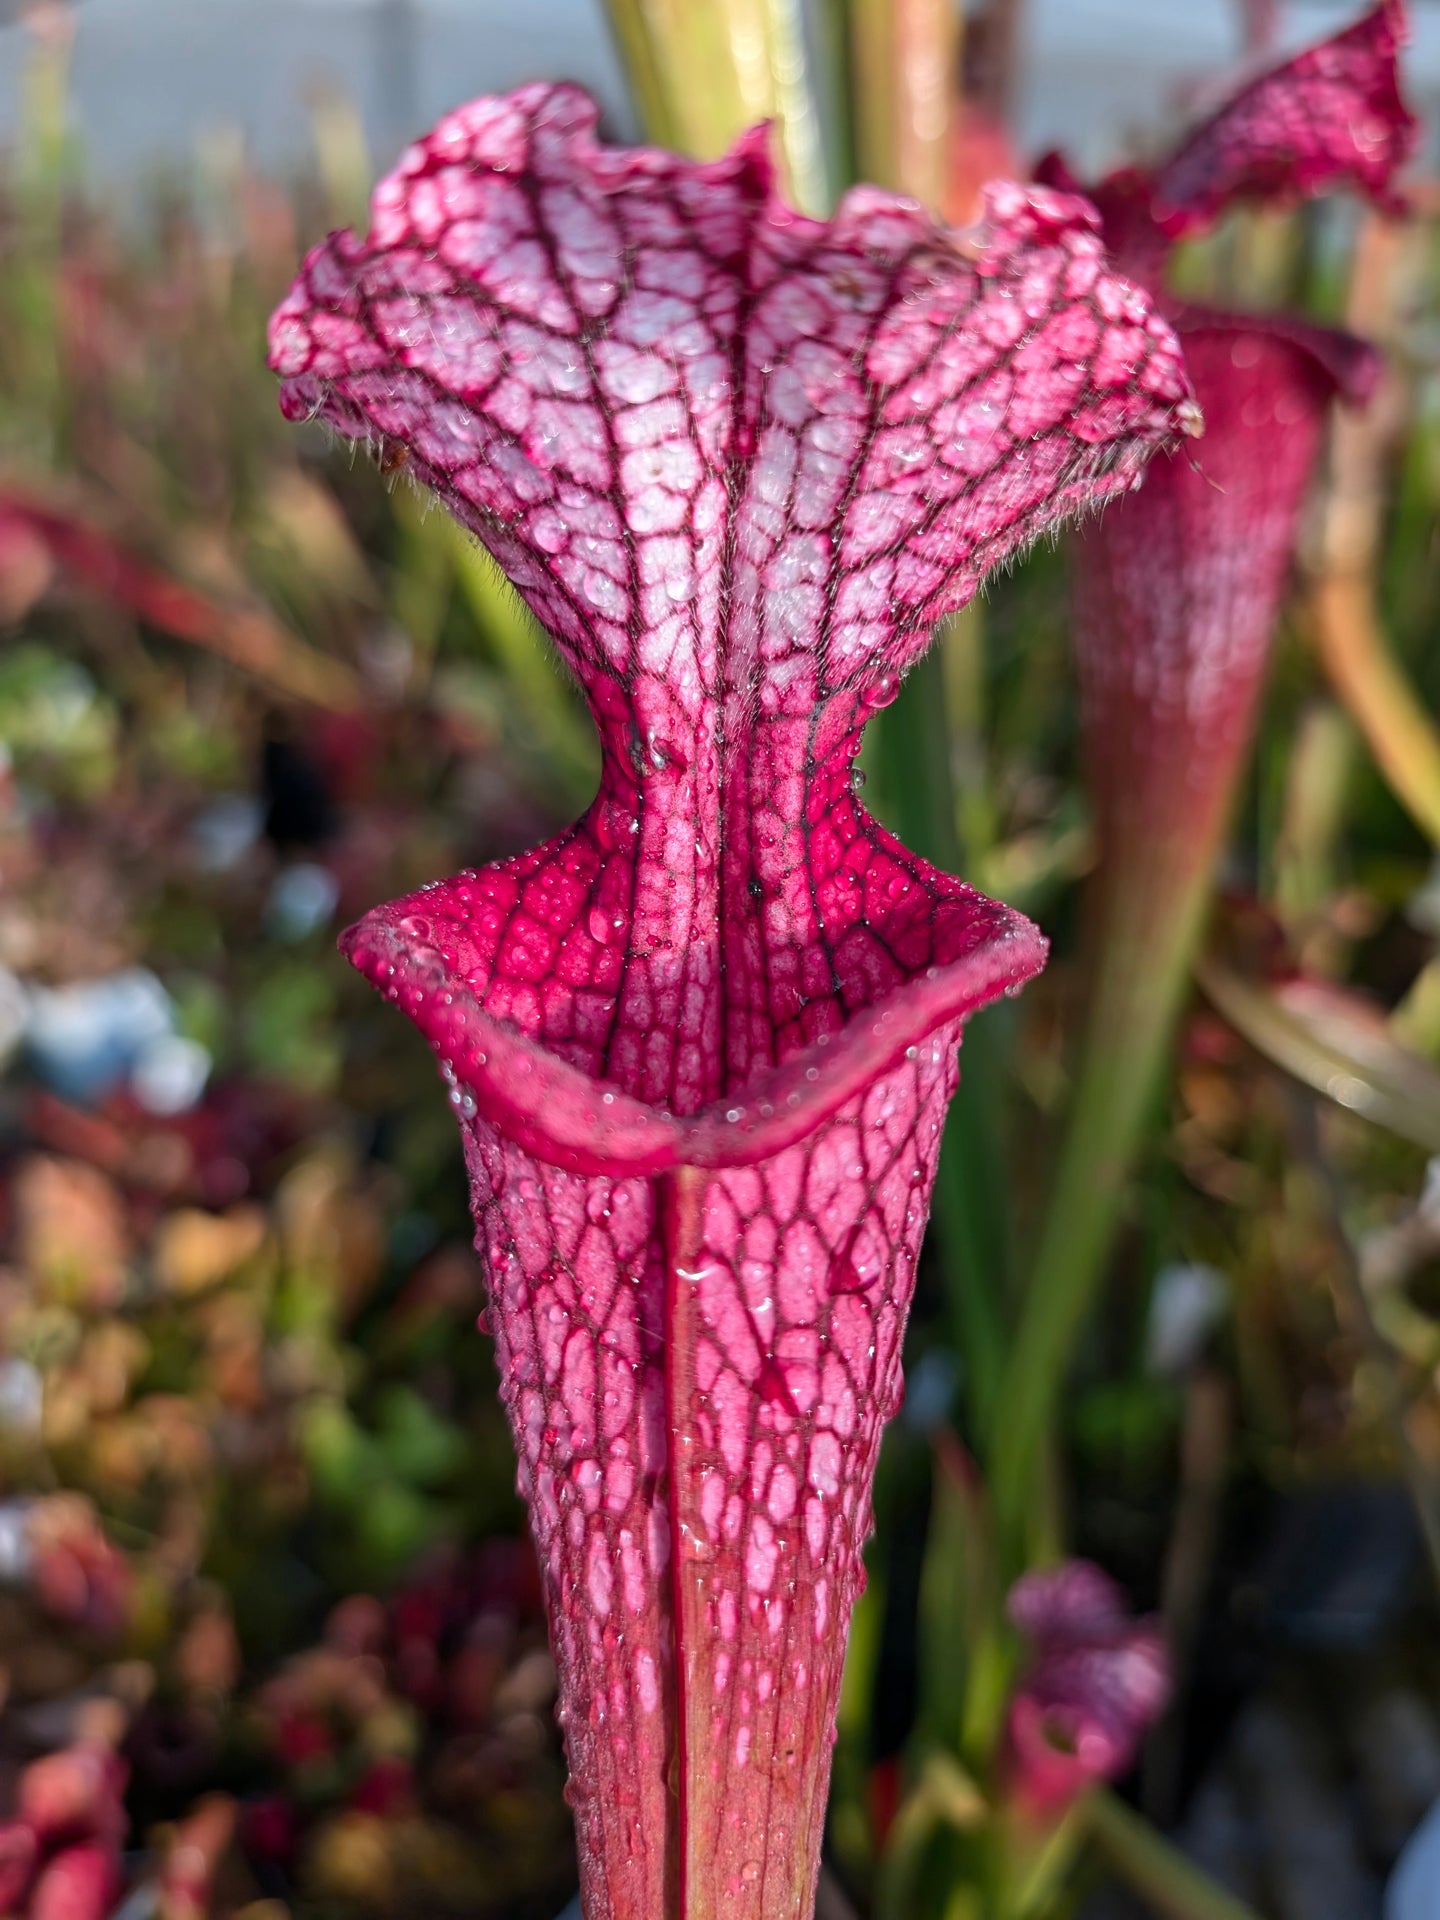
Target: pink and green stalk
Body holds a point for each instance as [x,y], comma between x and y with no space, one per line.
[700,1045]
[1177,594]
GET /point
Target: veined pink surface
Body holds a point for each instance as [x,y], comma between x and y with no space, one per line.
[738,462]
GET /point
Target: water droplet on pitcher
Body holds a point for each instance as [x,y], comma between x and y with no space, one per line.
[427,970]
[882,689]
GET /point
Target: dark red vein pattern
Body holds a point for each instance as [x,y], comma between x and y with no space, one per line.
[701,1044]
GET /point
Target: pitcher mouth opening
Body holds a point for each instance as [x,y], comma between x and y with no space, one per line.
[571,1119]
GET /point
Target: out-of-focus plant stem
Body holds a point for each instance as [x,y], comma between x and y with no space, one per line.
[795,106]
[33,273]
[1343,599]
[1317,785]
[944,1796]
[639,50]
[908,52]
[834,82]
[343,157]
[1204,1458]
[702,73]
[1150,918]
[515,639]
[1352,647]
[1165,1880]
[961,1593]
[1037,1862]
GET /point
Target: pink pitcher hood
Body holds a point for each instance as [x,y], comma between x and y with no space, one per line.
[1178,590]
[1332,117]
[1329,119]
[738,462]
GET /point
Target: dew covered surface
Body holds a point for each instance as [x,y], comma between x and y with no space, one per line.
[698,1371]
[737,463]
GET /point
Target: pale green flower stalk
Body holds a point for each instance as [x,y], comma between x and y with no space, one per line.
[701,73]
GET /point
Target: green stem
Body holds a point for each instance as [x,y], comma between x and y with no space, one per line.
[1148,940]
[945,1796]
[1355,1303]
[540,682]
[1042,1869]
[906,53]
[834,91]
[973,1226]
[1172,1886]
[1381,699]
[343,158]
[639,53]
[32,293]
[960,1597]
[702,72]
[873,102]
[793,88]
